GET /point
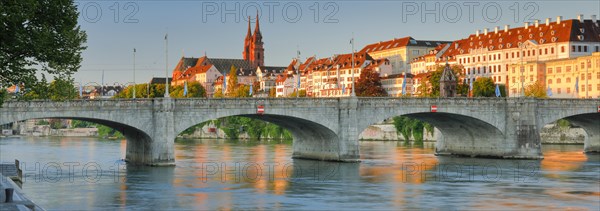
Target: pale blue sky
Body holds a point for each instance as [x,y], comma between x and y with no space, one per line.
[193,29]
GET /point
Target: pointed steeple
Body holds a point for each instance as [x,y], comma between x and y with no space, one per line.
[249,34]
[257,34]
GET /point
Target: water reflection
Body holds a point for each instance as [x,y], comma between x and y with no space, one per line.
[232,175]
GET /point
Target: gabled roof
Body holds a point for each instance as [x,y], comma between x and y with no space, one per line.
[224,65]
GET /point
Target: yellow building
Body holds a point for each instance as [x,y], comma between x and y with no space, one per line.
[563,75]
[523,75]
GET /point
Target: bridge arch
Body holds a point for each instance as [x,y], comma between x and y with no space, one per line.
[460,134]
[581,112]
[315,134]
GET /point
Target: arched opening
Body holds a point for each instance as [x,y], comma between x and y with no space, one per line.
[457,134]
[573,130]
[138,141]
[310,140]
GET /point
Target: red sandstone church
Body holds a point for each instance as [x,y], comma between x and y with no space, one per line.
[207,70]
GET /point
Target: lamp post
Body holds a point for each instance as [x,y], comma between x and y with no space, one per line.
[166,67]
[522,47]
[133,73]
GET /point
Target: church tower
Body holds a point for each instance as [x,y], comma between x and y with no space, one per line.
[247,43]
[257,50]
[253,45]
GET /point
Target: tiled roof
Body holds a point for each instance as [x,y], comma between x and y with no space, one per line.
[400,42]
[554,32]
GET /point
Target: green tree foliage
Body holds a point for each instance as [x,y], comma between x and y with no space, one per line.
[59,89]
[195,89]
[369,84]
[103,131]
[256,129]
[39,37]
[537,90]
[484,87]
[563,123]
[414,128]
[3,96]
[434,82]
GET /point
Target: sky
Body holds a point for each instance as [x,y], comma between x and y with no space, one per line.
[321,28]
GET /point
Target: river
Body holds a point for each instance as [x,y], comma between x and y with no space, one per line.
[87,173]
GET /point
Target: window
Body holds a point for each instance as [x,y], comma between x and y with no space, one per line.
[513,70]
[531,68]
[531,78]
[546,51]
[552,50]
[562,50]
[415,52]
[514,79]
[585,49]
[518,54]
[589,76]
[540,52]
[506,55]
[572,48]
[589,63]
[568,80]
[558,80]
[582,65]
[582,76]
[549,81]
[558,90]
[598,75]
[583,88]
[597,48]
[579,48]
[513,54]
[568,69]
[568,90]
[558,69]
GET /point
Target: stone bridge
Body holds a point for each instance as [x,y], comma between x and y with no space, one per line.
[328,128]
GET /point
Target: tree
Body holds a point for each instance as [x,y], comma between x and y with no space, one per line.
[232,82]
[39,37]
[369,84]
[537,90]
[62,89]
[3,96]
[302,94]
[218,93]
[484,87]
[272,92]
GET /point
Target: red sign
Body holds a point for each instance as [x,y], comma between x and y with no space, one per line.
[260,109]
[598,109]
[433,108]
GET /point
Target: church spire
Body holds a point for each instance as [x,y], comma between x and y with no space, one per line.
[257,33]
[249,34]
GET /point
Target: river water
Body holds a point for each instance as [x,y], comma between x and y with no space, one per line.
[87,173]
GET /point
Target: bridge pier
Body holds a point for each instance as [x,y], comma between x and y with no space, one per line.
[591,125]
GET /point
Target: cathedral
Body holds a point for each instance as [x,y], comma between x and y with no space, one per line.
[253,46]
[208,71]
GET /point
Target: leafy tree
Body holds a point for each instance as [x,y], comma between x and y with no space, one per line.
[62,89]
[39,37]
[218,93]
[369,84]
[3,96]
[232,82]
[484,87]
[302,94]
[272,92]
[537,90]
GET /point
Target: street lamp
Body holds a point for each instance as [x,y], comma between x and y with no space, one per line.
[522,47]
[133,73]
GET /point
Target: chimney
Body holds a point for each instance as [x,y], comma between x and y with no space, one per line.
[558,19]
[580,18]
[496,30]
[485,31]
[548,21]
[526,25]
[537,23]
[506,28]
[477,33]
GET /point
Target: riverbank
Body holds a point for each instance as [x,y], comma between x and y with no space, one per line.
[20,200]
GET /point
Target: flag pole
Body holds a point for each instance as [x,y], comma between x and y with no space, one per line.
[166,66]
[352,42]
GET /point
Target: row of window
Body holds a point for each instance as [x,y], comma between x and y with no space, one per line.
[559,90]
